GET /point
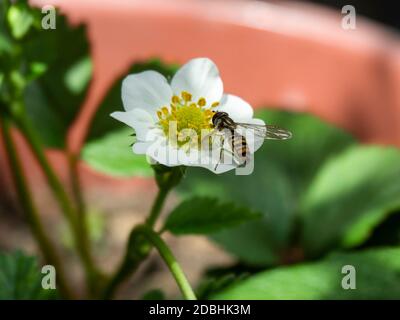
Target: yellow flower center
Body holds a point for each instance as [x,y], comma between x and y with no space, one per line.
[187,115]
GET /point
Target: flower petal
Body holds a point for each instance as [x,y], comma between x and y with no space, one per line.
[162,152]
[211,158]
[138,119]
[221,167]
[237,109]
[141,147]
[152,138]
[147,90]
[159,150]
[200,77]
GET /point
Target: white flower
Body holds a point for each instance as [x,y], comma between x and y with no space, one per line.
[195,93]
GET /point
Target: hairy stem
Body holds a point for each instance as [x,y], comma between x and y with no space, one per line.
[170,261]
[82,226]
[138,246]
[141,241]
[58,190]
[30,210]
[77,191]
[137,249]
[157,206]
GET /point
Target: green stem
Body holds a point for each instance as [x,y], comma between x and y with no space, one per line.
[35,145]
[30,210]
[141,241]
[81,225]
[157,206]
[137,248]
[57,188]
[77,190]
[170,261]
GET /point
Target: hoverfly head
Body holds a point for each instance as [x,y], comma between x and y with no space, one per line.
[218,118]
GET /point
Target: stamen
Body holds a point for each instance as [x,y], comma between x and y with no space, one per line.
[186,96]
[187,115]
[201,102]
[164,110]
[215,104]
[175,99]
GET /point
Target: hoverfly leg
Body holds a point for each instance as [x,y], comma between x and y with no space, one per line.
[220,154]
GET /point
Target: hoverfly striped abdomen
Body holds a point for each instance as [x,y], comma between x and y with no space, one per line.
[238,143]
[239,146]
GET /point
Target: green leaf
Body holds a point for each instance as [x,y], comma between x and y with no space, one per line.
[206,215]
[5,40]
[113,155]
[37,69]
[20,19]
[78,76]
[60,66]
[21,278]
[251,242]
[155,294]
[283,170]
[386,233]
[5,44]
[352,194]
[377,277]
[212,285]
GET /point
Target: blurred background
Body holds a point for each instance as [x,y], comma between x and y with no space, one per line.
[294,62]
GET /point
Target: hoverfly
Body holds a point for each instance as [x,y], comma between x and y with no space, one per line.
[226,128]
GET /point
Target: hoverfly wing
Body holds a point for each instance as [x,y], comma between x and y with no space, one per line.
[274,132]
[267,131]
[213,136]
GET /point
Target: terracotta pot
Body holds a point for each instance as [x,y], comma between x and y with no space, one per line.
[283,54]
[289,55]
